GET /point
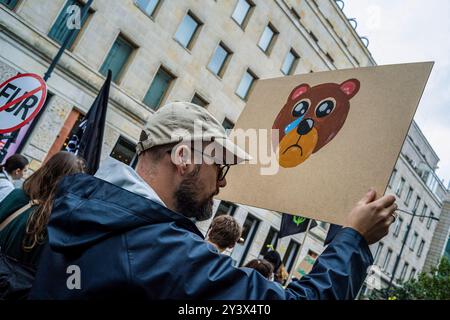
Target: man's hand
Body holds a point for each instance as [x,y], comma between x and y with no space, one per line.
[372,218]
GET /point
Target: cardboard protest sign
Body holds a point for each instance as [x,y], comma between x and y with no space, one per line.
[330,136]
[21,99]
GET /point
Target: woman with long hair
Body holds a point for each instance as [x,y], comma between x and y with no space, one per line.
[24,213]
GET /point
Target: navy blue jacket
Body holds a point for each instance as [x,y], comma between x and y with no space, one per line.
[127,246]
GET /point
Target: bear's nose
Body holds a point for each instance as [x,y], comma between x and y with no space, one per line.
[305,126]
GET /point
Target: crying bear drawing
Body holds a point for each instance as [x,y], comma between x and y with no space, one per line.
[311,118]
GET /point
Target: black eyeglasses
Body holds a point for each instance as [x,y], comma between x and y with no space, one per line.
[222,168]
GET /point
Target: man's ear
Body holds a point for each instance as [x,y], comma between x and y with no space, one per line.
[350,87]
[181,158]
[298,91]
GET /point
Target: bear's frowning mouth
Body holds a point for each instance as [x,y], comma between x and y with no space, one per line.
[295,145]
[294,148]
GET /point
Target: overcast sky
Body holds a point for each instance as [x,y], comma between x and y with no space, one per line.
[410,31]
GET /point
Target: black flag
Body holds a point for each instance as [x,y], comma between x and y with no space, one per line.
[294,224]
[332,232]
[88,139]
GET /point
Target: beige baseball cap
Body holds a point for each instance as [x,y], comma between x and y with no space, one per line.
[187,122]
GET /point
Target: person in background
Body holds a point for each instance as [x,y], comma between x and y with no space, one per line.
[274,258]
[262,266]
[224,232]
[282,275]
[12,170]
[22,236]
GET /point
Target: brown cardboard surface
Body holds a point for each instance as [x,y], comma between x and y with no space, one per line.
[362,154]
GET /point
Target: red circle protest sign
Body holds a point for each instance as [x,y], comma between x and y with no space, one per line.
[21,99]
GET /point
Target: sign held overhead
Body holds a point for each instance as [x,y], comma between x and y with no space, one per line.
[21,99]
[326,138]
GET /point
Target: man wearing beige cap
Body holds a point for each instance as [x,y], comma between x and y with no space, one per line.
[131,234]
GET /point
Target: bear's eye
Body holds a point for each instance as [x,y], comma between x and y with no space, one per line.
[300,108]
[324,108]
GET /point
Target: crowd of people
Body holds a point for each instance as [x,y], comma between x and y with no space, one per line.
[131,233]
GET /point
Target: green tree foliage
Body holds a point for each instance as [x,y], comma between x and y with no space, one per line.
[434,285]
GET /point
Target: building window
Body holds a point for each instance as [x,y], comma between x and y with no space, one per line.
[270,243]
[329,23]
[412,244]
[290,62]
[159,88]
[387,259]
[149,7]
[404,270]
[313,36]
[378,252]
[398,226]
[249,230]
[227,124]
[246,84]
[267,39]
[424,212]
[291,254]
[242,12]
[124,151]
[225,207]
[219,60]
[430,220]
[117,58]
[69,128]
[188,30]
[408,196]
[391,179]
[416,204]
[323,225]
[60,29]
[10,4]
[412,274]
[329,57]
[421,245]
[198,100]
[400,186]
[295,14]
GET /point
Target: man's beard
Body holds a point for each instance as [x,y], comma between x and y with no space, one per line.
[186,201]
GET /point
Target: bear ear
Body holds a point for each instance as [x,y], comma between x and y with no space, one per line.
[350,87]
[298,91]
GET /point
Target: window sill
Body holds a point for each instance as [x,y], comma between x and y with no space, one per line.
[243,99]
[242,27]
[152,16]
[218,77]
[188,50]
[266,52]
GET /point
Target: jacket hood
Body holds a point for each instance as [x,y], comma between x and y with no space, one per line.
[87,210]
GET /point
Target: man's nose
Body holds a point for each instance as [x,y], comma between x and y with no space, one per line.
[305,126]
[222,183]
